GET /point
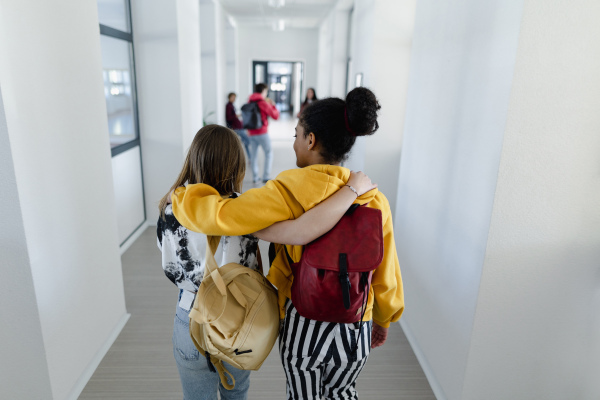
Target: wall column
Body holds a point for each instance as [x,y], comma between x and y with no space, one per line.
[381,40]
[167,52]
[53,92]
[22,352]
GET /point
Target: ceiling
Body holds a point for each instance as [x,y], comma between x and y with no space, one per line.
[299,14]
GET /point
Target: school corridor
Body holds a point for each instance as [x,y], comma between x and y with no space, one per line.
[487,150]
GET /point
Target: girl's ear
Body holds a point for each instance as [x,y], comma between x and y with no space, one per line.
[312,141]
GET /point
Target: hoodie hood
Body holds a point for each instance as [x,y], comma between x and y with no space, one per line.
[315,183]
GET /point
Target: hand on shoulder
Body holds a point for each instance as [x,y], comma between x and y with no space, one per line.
[361,182]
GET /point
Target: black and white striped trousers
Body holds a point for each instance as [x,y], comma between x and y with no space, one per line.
[319,358]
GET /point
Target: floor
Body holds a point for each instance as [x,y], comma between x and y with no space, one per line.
[140,363]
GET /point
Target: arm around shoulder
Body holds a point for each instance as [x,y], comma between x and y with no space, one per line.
[201,208]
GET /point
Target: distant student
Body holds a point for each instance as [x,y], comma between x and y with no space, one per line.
[311,96]
[260,137]
[234,123]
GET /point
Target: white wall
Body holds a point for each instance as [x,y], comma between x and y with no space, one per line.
[220,38]
[190,77]
[57,127]
[497,218]
[360,50]
[325,58]
[213,20]
[231,52]
[169,90]
[129,198]
[381,40]
[537,326]
[22,354]
[457,104]
[333,52]
[262,44]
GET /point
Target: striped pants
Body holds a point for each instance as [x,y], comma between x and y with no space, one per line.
[319,358]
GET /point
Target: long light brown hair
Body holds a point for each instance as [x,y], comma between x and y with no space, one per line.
[216,158]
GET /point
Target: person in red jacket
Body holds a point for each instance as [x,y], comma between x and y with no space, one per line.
[234,123]
[260,137]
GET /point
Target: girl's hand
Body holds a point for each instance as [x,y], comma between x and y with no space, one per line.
[361,182]
[378,335]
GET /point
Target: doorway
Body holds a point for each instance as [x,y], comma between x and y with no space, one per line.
[284,80]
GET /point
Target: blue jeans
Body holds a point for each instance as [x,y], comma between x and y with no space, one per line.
[245,140]
[263,141]
[198,382]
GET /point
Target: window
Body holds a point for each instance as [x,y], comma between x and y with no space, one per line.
[119,74]
[114,14]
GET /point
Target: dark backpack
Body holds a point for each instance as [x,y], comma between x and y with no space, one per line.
[333,278]
[251,116]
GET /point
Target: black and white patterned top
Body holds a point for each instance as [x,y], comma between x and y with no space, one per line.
[183,252]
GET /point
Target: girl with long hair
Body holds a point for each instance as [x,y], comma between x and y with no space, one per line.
[311,96]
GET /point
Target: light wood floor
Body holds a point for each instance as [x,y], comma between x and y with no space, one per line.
[140,364]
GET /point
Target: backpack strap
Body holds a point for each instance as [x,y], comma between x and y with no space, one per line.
[290,261]
[259,259]
[344,279]
[212,243]
[222,372]
[211,268]
[216,365]
[272,253]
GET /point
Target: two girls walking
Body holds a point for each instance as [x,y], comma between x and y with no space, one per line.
[320,359]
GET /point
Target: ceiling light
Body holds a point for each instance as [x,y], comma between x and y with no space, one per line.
[277,3]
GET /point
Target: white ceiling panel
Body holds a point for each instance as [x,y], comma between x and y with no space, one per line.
[302,14]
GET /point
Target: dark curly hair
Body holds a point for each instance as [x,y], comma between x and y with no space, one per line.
[259,87]
[326,119]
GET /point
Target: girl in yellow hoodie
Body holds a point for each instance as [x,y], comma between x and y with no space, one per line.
[318,357]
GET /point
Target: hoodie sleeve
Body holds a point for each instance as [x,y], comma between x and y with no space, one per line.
[269,110]
[200,208]
[387,280]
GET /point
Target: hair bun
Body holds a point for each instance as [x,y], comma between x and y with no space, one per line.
[361,110]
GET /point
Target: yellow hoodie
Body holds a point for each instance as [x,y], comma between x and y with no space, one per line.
[199,207]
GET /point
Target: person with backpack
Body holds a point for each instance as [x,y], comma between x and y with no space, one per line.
[234,123]
[259,136]
[216,158]
[321,359]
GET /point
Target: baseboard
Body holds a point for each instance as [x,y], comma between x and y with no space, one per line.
[133,237]
[435,385]
[91,368]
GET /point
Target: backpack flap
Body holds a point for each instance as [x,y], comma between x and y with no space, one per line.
[359,236]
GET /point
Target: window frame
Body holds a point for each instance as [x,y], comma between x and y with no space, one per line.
[127,37]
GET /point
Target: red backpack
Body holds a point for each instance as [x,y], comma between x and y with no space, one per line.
[333,278]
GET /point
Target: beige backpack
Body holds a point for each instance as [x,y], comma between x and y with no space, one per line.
[235,316]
